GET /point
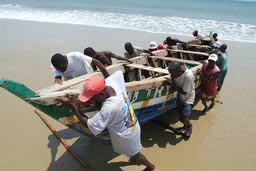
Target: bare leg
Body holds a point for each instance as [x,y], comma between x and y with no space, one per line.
[187,126]
[189,130]
[212,103]
[219,88]
[205,105]
[141,159]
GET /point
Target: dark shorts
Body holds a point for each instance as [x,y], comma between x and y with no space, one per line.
[184,108]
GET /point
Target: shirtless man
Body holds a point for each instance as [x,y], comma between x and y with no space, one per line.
[104,57]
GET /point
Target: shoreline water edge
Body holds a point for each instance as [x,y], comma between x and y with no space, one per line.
[227,18]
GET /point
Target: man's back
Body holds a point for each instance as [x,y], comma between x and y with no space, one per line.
[117,115]
[77,65]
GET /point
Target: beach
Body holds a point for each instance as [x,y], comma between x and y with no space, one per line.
[222,139]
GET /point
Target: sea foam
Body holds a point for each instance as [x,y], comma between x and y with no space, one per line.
[157,24]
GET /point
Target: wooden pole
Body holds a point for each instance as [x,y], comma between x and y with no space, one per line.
[201,46]
[190,52]
[66,145]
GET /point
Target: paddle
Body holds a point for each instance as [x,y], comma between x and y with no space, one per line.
[66,145]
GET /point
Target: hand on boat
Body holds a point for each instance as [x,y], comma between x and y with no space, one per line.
[64,101]
[58,81]
[198,71]
[167,81]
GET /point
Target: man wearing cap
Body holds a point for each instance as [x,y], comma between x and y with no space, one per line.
[116,114]
[153,47]
[72,65]
[209,75]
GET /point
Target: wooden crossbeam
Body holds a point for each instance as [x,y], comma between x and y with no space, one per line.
[148,68]
[201,46]
[67,84]
[189,52]
[175,59]
[85,165]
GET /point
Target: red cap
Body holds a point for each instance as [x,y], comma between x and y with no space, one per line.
[92,87]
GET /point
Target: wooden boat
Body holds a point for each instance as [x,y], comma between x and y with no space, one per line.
[196,50]
[148,96]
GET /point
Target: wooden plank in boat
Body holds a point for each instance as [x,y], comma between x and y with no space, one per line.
[154,82]
[139,60]
[148,68]
[145,84]
[201,46]
[49,98]
[67,84]
[162,52]
[175,59]
[190,52]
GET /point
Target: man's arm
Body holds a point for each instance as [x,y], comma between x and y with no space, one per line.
[67,101]
[57,75]
[79,115]
[58,79]
[214,76]
[179,41]
[110,54]
[101,67]
[178,89]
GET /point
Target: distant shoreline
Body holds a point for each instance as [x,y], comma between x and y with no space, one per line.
[128,29]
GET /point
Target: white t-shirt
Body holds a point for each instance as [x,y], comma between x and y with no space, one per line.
[77,65]
[186,83]
[137,52]
[118,116]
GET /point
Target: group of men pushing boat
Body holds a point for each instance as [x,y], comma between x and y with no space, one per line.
[116,113]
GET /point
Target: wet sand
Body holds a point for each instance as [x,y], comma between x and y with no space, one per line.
[223,139]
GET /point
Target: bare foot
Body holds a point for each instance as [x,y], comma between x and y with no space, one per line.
[189,131]
[205,109]
[149,168]
[211,106]
[132,160]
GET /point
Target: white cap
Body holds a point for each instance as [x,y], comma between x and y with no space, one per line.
[213,57]
[152,45]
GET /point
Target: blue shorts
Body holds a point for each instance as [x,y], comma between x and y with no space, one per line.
[184,108]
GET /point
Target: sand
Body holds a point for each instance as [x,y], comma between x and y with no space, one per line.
[223,139]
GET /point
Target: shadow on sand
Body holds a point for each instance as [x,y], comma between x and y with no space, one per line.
[96,153]
[99,153]
[153,132]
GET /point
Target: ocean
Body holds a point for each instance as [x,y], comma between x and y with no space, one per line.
[233,20]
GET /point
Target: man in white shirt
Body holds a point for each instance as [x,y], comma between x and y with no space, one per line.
[131,51]
[116,114]
[72,65]
[182,80]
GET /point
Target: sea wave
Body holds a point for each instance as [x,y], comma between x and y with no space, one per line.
[157,24]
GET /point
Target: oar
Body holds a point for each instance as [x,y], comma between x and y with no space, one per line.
[66,145]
